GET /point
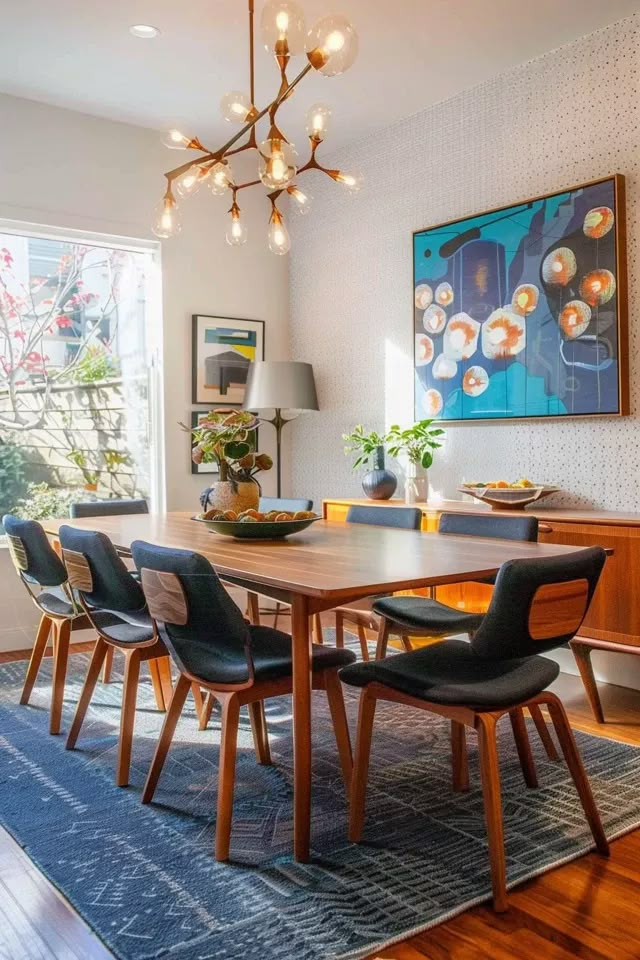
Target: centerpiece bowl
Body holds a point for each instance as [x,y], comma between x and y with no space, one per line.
[258,530]
[508,498]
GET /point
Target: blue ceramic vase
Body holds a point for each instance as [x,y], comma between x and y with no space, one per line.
[379,483]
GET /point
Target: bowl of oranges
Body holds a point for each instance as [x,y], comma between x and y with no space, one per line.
[503,495]
[254,525]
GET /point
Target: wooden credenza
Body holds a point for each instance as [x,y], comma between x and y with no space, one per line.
[613,620]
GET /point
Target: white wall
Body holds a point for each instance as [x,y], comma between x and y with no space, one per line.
[64,169]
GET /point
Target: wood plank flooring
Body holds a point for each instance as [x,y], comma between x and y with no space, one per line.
[584,910]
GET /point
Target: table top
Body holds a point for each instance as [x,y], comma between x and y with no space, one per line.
[328,559]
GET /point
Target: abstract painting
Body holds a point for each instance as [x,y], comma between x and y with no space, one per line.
[521,311]
[223,350]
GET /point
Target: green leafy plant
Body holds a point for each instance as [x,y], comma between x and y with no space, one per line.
[12,475]
[97,364]
[43,501]
[365,445]
[417,442]
[225,436]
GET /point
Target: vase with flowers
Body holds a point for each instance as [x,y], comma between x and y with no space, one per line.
[417,445]
[227,437]
[378,483]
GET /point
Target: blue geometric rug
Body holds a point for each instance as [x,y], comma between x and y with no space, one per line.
[144,877]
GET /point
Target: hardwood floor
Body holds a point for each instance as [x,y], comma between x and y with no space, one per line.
[585,909]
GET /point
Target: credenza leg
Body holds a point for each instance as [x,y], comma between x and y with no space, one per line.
[582,654]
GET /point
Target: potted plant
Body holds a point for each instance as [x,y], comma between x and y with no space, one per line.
[378,483]
[225,436]
[416,444]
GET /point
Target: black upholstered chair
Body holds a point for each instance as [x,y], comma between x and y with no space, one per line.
[239,663]
[107,508]
[45,578]
[360,612]
[115,605]
[537,605]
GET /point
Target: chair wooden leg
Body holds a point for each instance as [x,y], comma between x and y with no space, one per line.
[127,716]
[205,712]
[383,638]
[406,643]
[227,775]
[318,636]
[459,757]
[37,654]
[157,685]
[580,779]
[166,682]
[335,697]
[523,746]
[276,616]
[62,629]
[543,731]
[253,607]
[582,654]
[260,732]
[364,646]
[339,631]
[490,773]
[366,715]
[89,685]
[176,704]
[108,665]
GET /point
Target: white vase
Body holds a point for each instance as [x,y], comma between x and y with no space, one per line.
[416,484]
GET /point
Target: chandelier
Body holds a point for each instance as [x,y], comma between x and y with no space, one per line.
[331,47]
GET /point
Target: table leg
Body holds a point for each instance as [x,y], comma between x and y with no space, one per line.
[301,650]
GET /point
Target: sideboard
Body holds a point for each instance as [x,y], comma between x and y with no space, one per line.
[613,620]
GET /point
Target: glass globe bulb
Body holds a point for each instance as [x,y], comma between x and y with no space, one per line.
[277,163]
[352,181]
[221,177]
[236,106]
[283,28]
[236,233]
[176,140]
[303,201]
[332,45]
[167,219]
[318,121]
[279,239]
[189,182]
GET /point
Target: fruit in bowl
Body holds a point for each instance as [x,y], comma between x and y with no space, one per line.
[254,524]
[522,484]
[255,516]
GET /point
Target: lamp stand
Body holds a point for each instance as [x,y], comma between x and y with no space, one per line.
[278,422]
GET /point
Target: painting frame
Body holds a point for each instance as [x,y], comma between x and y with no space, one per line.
[199,355]
[619,232]
[211,468]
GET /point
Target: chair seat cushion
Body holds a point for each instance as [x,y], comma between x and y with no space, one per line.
[55,602]
[451,673]
[126,629]
[427,616]
[271,651]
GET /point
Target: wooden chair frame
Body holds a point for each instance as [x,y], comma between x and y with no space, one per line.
[484,723]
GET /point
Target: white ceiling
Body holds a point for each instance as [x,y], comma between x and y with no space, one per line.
[79,54]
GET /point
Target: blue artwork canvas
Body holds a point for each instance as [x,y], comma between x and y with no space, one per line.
[521,311]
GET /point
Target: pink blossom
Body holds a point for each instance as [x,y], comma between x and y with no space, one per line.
[19,334]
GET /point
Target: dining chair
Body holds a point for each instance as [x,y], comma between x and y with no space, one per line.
[537,605]
[239,663]
[114,603]
[44,575]
[108,508]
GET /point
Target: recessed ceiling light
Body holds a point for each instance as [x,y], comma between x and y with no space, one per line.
[144,31]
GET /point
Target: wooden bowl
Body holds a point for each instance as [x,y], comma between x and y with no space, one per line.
[258,530]
[509,498]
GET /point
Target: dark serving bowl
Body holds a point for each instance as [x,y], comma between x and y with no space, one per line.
[260,530]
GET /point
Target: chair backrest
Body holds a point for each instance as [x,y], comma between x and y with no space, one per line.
[284,503]
[98,573]
[195,612]
[33,556]
[521,527]
[107,508]
[538,604]
[405,518]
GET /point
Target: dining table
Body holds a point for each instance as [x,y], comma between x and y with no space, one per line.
[326,565]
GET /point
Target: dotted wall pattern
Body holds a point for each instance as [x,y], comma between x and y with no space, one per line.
[569,116]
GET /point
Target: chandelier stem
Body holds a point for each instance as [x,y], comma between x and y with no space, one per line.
[252,91]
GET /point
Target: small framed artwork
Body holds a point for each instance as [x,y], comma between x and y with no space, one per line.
[209,465]
[521,312]
[223,350]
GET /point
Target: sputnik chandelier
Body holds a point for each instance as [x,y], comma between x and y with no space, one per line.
[331,47]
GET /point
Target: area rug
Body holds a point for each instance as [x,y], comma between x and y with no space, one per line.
[144,877]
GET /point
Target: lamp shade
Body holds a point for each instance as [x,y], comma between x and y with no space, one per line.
[281,385]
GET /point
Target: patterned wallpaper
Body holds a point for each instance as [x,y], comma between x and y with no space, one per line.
[567,117]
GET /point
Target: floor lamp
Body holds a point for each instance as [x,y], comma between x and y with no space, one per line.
[280,385]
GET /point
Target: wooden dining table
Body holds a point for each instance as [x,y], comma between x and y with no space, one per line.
[326,565]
